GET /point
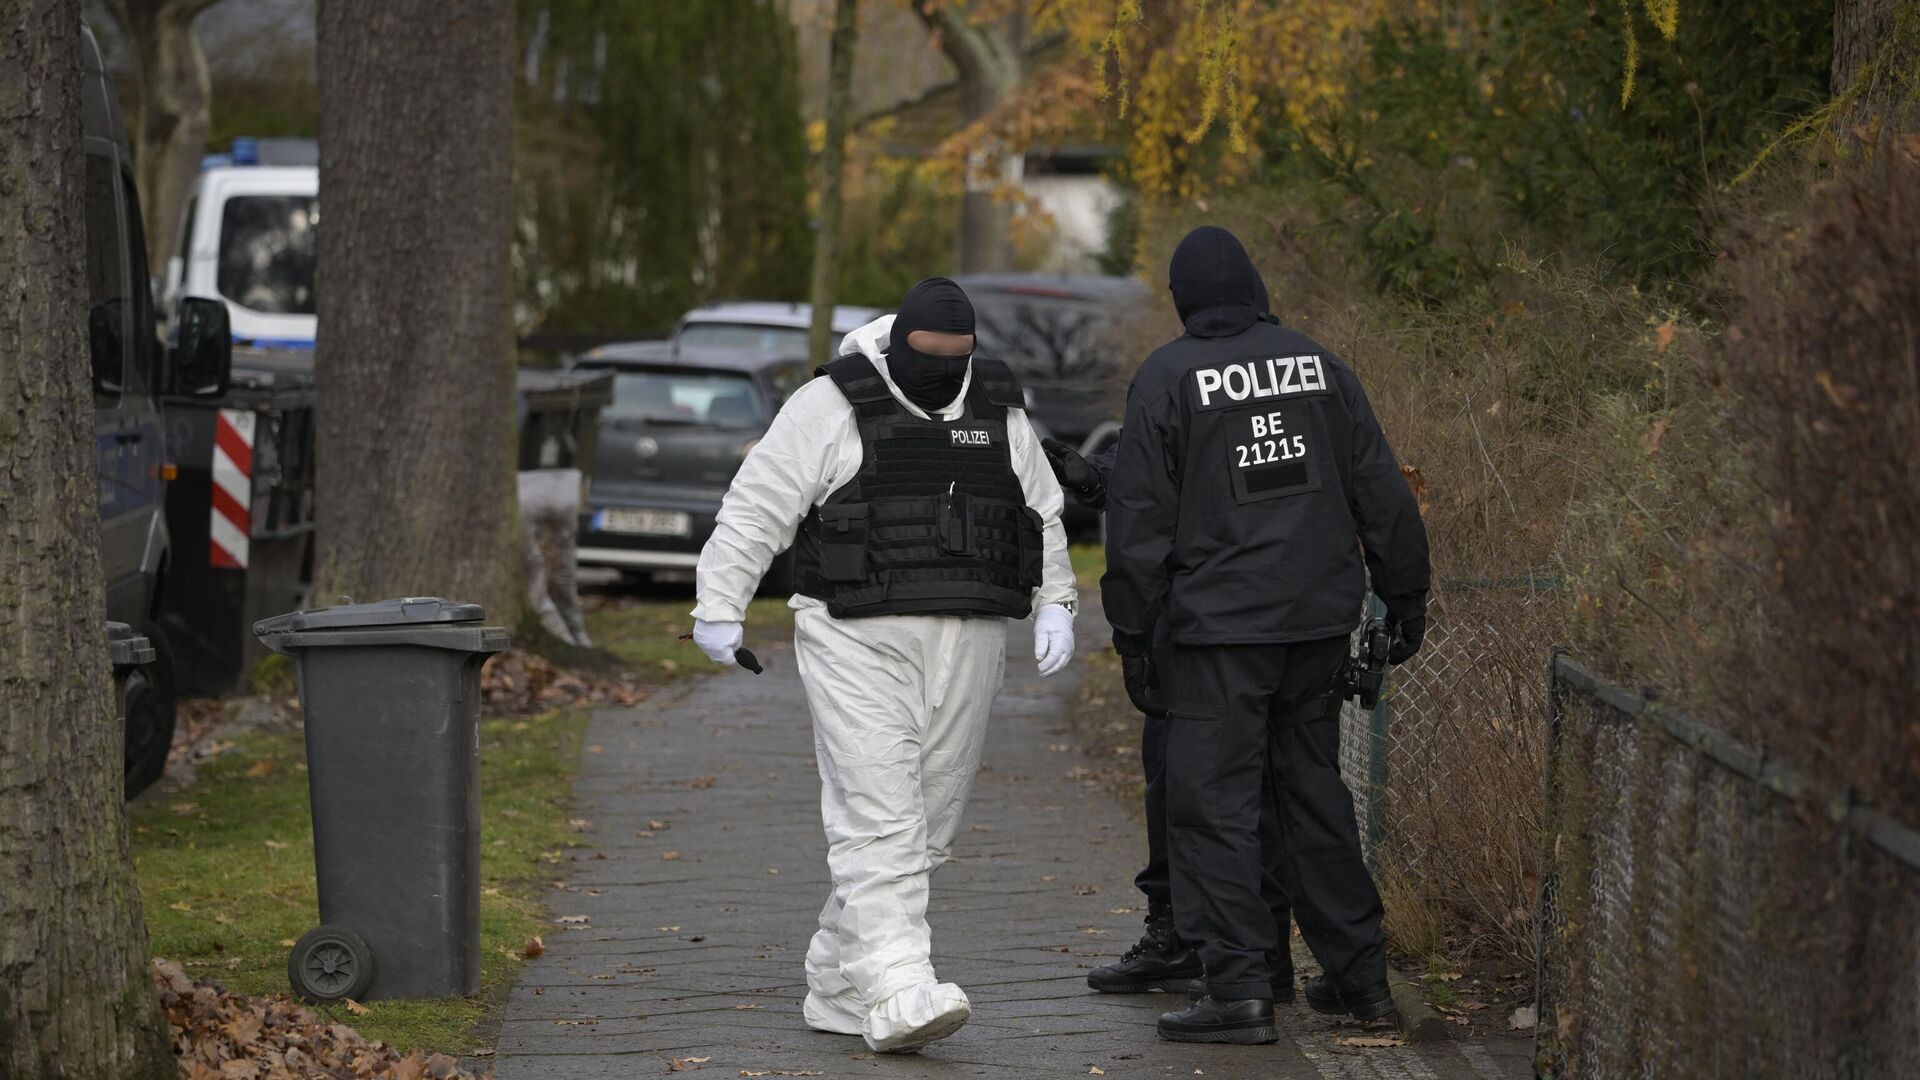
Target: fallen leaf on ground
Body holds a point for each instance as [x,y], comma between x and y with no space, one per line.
[273,1038]
[262,768]
[1096,1070]
[1372,1040]
[669,856]
[571,920]
[355,1007]
[703,782]
[1086,890]
[1523,1018]
[533,947]
[658,825]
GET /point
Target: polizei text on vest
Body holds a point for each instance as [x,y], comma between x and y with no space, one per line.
[1252,380]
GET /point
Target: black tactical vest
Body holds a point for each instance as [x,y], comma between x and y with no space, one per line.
[935,522]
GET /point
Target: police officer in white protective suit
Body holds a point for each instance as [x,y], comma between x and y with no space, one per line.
[927,516]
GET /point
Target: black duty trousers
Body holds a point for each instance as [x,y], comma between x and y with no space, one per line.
[1155,879]
[1230,761]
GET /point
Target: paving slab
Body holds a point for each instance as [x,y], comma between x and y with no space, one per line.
[703,808]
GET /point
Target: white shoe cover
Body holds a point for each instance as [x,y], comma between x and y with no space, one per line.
[839,1014]
[916,1016]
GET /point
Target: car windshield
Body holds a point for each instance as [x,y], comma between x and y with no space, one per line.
[266,252]
[721,399]
[766,340]
[1045,339]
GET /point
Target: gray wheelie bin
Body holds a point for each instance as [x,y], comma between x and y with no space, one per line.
[391,692]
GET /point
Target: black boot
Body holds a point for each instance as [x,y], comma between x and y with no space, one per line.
[1158,961]
[1210,1021]
[1282,989]
[1370,1004]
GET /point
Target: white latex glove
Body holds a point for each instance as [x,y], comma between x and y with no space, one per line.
[1052,638]
[718,640]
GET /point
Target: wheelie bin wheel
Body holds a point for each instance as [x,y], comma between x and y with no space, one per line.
[328,964]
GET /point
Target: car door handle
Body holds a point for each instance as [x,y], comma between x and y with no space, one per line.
[127,438]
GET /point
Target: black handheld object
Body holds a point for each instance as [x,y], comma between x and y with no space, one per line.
[1364,675]
[742,656]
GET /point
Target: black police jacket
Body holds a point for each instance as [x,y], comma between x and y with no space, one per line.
[1252,494]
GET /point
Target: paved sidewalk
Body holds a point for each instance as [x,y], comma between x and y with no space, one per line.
[705,806]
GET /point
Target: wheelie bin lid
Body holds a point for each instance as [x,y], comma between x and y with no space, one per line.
[425,620]
[125,648]
[400,611]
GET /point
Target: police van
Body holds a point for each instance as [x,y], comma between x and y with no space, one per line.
[132,370]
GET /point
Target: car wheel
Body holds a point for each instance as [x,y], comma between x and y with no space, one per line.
[151,702]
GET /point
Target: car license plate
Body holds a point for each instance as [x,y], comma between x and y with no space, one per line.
[643,522]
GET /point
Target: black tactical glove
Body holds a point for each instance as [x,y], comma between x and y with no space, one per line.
[1143,685]
[1076,474]
[1407,634]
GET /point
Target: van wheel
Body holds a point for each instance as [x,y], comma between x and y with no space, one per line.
[150,701]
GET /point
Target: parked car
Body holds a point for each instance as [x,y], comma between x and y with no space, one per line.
[1062,335]
[1065,336]
[682,419]
[132,372]
[770,328]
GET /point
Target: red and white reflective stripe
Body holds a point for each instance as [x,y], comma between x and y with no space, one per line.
[232,487]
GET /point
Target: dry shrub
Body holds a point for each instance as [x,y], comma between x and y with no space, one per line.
[1823,376]
[1757,560]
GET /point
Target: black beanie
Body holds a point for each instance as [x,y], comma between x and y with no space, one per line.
[1215,287]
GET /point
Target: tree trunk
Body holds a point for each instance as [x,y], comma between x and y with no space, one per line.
[826,246]
[75,996]
[415,370]
[174,114]
[1876,58]
[991,59]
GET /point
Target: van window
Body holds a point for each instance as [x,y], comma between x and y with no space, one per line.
[107,283]
[267,252]
[142,351]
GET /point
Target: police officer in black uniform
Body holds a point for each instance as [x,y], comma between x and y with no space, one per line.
[1160,960]
[1252,496]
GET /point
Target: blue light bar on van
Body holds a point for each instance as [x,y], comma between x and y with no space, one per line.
[274,343]
[246,150]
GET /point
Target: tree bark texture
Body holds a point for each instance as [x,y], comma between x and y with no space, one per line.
[415,441]
[75,996]
[174,113]
[833,156]
[991,58]
[1876,44]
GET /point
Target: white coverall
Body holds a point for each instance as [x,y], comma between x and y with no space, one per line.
[899,704]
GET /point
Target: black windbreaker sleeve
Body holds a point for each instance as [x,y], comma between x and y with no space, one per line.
[1102,462]
[1143,508]
[1391,532]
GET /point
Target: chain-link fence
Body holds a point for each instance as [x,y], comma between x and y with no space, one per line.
[1446,771]
[1705,914]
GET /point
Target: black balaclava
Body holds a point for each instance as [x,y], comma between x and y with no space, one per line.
[929,381]
[1215,287]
